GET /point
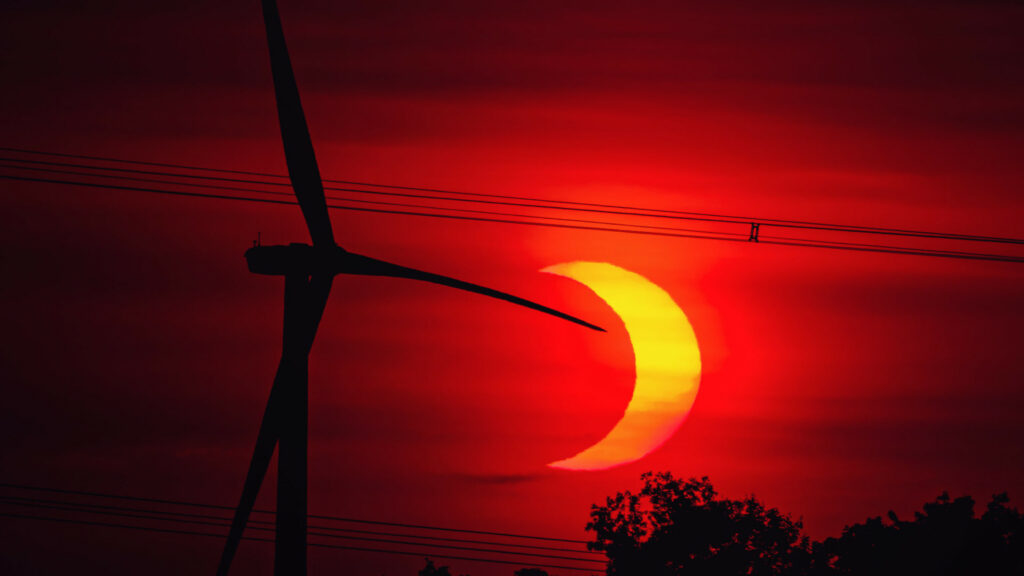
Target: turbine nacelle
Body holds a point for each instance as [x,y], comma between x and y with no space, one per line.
[294,259]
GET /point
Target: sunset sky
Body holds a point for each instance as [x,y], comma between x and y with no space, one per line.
[138,351]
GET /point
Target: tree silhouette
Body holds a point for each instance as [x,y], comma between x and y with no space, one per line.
[944,538]
[431,570]
[675,527]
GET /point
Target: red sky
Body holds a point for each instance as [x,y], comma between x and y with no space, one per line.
[138,351]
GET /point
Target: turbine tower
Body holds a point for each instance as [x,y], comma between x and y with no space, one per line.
[308,272]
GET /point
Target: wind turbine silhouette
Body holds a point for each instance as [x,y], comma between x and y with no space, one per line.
[308,271]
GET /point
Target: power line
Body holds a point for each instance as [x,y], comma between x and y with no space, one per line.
[146,515]
[737,238]
[194,177]
[767,239]
[705,235]
[361,201]
[227,524]
[137,162]
[536,203]
[224,521]
[645,210]
[191,504]
[311,544]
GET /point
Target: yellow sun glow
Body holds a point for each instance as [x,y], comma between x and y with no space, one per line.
[667,364]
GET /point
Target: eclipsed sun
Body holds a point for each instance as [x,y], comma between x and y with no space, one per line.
[667,364]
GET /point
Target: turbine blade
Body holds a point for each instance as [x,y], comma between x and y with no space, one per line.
[304,307]
[298,148]
[366,266]
[266,440]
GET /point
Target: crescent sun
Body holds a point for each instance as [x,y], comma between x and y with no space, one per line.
[667,360]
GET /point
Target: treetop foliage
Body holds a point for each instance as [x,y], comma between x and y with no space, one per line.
[683,527]
[676,527]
